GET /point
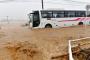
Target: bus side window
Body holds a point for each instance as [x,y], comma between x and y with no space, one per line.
[80,14]
[88,15]
[71,14]
[49,15]
[83,15]
[58,14]
[65,13]
[46,14]
[54,14]
[77,14]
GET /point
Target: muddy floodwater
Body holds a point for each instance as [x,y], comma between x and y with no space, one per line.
[18,42]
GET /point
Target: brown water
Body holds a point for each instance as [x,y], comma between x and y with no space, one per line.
[22,43]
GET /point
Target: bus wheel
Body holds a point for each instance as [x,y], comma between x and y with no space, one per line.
[48,26]
[80,23]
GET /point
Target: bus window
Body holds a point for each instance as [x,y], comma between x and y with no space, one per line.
[88,15]
[46,14]
[77,14]
[49,14]
[80,14]
[66,14]
[58,14]
[71,14]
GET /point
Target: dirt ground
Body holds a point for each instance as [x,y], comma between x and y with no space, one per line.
[22,43]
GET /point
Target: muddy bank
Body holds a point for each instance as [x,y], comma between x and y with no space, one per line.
[23,51]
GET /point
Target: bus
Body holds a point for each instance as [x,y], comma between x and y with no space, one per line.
[58,18]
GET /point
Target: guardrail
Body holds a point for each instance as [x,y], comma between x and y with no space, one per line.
[70,47]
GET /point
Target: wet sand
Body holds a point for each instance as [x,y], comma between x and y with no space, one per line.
[22,43]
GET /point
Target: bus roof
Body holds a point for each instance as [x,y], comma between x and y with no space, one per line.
[62,10]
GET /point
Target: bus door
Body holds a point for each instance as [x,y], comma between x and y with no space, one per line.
[35,19]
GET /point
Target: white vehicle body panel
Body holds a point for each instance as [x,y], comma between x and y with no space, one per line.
[62,22]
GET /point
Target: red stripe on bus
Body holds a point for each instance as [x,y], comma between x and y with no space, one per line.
[78,19]
[70,20]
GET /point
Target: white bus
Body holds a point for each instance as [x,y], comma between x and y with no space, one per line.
[58,18]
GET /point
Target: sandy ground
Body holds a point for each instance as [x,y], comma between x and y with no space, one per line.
[22,43]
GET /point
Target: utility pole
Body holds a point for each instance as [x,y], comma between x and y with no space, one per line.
[42,4]
[87,11]
[7,19]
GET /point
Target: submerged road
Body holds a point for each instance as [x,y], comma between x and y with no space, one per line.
[52,42]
